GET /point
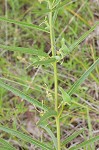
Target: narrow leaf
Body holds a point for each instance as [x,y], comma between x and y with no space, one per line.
[23,24]
[77,15]
[71,137]
[23,95]
[90,128]
[83,77]
[65,96]
[24,137]
[48,114]
[85,143]
[4,148]
[24,50]
[64,3]
[41,11]
[75,44]
[45,62]
[53,138]
[5,143]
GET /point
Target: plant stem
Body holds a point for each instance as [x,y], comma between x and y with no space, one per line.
[52,38]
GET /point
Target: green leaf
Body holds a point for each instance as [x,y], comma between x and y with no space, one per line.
[41,11]
[83,77]
[65,96]
[48,114]
[24,50]
[75,44]
[64,48]
[23,24]
[25,137]
[5,143]
[71,137]
[4,148]
[64,3]
[85,143]
[90,127]
[53,138]
[23,95]
[45,61]
[56,4]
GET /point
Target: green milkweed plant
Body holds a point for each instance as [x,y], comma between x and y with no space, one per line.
[51,12]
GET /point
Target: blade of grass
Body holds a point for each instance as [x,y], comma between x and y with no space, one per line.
[4,148]
[23,24]
[90,128]
[83,77]
[48,114]
[23,95]
[24,137]
[64,3]
[85,66]
[85,143]
[5,143]
[53,138]
[24,50]
[78,16]
[71,137]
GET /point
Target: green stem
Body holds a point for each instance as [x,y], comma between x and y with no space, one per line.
[56,86]
[52,38]
[56,106]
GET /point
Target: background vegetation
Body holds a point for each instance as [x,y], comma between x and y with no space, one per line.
[16,68]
